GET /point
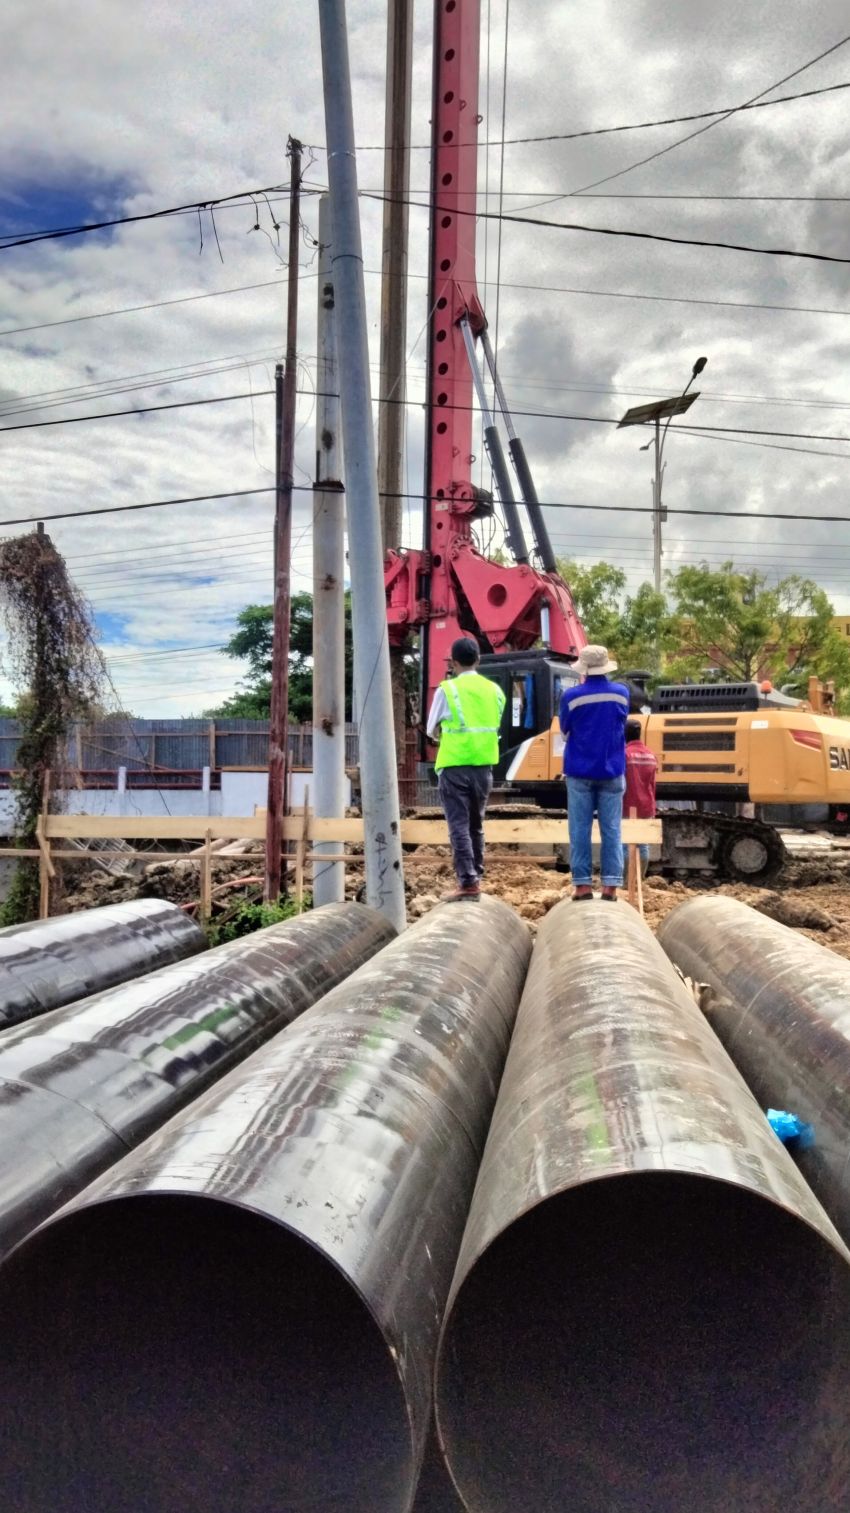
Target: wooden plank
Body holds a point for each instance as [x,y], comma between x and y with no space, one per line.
[145,827]
[301,850]
[46,869]
[528,832]
[206,879]
[634,864]
[44,848]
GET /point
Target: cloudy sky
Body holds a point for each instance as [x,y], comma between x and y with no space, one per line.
[111,110]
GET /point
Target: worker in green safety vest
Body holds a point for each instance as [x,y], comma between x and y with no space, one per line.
[465,717]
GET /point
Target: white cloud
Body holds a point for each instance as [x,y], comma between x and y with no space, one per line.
[130,111]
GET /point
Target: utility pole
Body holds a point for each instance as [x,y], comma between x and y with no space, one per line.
[391,410]
[378,772]
[659,515]
[328,585]
[285,385]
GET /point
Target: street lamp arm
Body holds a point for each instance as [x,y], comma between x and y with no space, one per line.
[695,372]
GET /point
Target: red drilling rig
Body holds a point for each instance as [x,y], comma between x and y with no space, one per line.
[450,587]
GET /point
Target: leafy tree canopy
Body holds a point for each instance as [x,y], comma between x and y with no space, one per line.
[636,628]
[715,618]
[252,643]
[749,628]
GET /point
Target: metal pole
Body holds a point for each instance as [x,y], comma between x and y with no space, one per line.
[285,395]
[379,775]
[495,452]
[328,585]
[391,412]
[527,489]
[656,511]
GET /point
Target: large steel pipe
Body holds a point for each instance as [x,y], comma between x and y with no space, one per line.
[85,1084]
[644,1272]
[781,1005]
[52,962]
[243,1314]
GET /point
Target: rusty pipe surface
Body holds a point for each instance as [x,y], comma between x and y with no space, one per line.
[780,1003]
[644,1273]
[51,962]
[85,1084]
[244,1312]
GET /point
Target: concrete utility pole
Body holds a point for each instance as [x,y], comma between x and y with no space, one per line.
[391,410]
[379,776]
[328,585]
[285,385]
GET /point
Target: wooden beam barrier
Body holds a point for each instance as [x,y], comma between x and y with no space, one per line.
[418,832]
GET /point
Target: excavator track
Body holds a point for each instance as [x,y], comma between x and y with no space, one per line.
[743,850]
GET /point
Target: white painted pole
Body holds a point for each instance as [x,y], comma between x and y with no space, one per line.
[378,773]
[328,586]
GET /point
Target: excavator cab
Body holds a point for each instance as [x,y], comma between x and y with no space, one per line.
[532,682]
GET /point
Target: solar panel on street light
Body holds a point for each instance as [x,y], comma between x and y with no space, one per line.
[640,414]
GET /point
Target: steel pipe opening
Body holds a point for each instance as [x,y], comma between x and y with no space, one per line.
[644,1272]
[244,1312]
[780,1003]
[82,1086]
[53,962]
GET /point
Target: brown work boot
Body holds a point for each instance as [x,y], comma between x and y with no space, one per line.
[582,892]
[472,893]
[609,895]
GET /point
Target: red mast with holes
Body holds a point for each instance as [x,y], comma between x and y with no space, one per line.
[449,588]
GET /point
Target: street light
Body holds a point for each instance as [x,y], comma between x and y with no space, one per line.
[641,415]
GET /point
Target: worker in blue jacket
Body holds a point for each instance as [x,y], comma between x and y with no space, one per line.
[593,721]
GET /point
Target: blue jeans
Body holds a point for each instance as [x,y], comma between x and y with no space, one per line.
[586,797]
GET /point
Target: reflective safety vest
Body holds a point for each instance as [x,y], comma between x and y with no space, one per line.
[470,737]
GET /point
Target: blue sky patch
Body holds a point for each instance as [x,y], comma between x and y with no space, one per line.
[30,207]
[111,627]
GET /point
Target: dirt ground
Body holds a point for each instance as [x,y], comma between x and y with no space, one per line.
[810,896]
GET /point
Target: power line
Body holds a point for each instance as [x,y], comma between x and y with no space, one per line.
[169,651]
[615,231]
[671,146]
[782,199]
[181,404]
[549,504]
[684,430]
[157,304]
[601,131]
[664,299]
[59,232]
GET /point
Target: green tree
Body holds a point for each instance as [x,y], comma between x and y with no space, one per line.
[252,643]
[748,628]
[636,628]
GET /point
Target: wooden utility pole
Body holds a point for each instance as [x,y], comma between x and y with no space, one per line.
[391,410]
[285,382]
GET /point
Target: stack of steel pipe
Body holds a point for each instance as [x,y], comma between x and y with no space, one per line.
[651,1311]
[51,962]
[83,1085]
[781,1005]
[244,1312]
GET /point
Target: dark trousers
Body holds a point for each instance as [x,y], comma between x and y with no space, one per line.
[464,792]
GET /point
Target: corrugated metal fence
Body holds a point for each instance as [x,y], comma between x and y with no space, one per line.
[173,753]
[164,746]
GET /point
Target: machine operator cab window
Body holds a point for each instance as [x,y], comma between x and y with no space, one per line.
[560,682]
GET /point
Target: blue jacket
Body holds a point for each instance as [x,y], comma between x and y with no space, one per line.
[593,720]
